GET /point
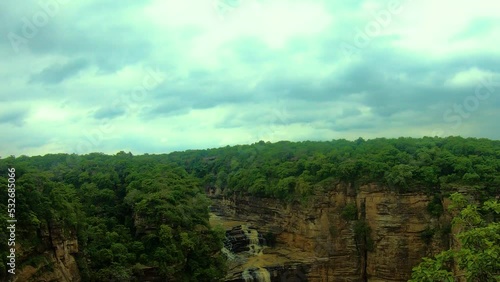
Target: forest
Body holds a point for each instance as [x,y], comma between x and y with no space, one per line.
[129,213]
[295,170]
[133,213]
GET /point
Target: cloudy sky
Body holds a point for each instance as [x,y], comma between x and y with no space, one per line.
[160,75]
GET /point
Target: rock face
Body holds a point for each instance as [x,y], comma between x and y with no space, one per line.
[55,257]
[331,246]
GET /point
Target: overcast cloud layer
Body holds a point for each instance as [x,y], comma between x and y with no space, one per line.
[157,76]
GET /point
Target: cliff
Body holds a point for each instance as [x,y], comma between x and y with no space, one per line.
[50,260]
[387,235]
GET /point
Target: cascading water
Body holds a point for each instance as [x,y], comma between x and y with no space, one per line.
[256,275]
[247,276]
[253,238]
[259,274]
[244,245]
[262,275]
[228,253]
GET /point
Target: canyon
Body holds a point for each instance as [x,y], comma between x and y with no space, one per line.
[288,211]
[318,241]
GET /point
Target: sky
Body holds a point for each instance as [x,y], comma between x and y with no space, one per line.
[159,76]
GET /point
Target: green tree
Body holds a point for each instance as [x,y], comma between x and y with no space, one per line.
[400,176]
[477,254]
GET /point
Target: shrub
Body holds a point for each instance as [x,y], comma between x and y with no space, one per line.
[427,235]
[362,233]
[350,212]
[435,207]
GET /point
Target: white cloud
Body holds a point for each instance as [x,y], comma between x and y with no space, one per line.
[468,78]
[429,26]
[268,70]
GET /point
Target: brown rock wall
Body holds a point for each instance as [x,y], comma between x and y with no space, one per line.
[318,228]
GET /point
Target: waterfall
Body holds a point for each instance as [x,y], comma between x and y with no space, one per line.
[262,275]
[256,275]
[259,274]
[228,253]
[247,276]
[240,239]
[253,237]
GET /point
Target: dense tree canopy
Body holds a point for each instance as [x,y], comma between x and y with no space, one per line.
[294,170]
[129,213]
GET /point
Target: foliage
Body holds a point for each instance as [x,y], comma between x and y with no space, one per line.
[295,170]
[478,251]
[427,235]
[125,210]
[350,212]
[435,207]
[362,235]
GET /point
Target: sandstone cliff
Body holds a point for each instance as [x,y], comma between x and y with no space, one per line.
[317,241]
[52,259]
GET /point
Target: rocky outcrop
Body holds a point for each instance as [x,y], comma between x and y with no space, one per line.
[53,259]
[403,232]
[331,245]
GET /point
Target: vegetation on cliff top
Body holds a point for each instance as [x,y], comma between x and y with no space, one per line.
[296,170]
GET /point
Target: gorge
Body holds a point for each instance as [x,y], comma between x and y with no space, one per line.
[288,211]
[320,242]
